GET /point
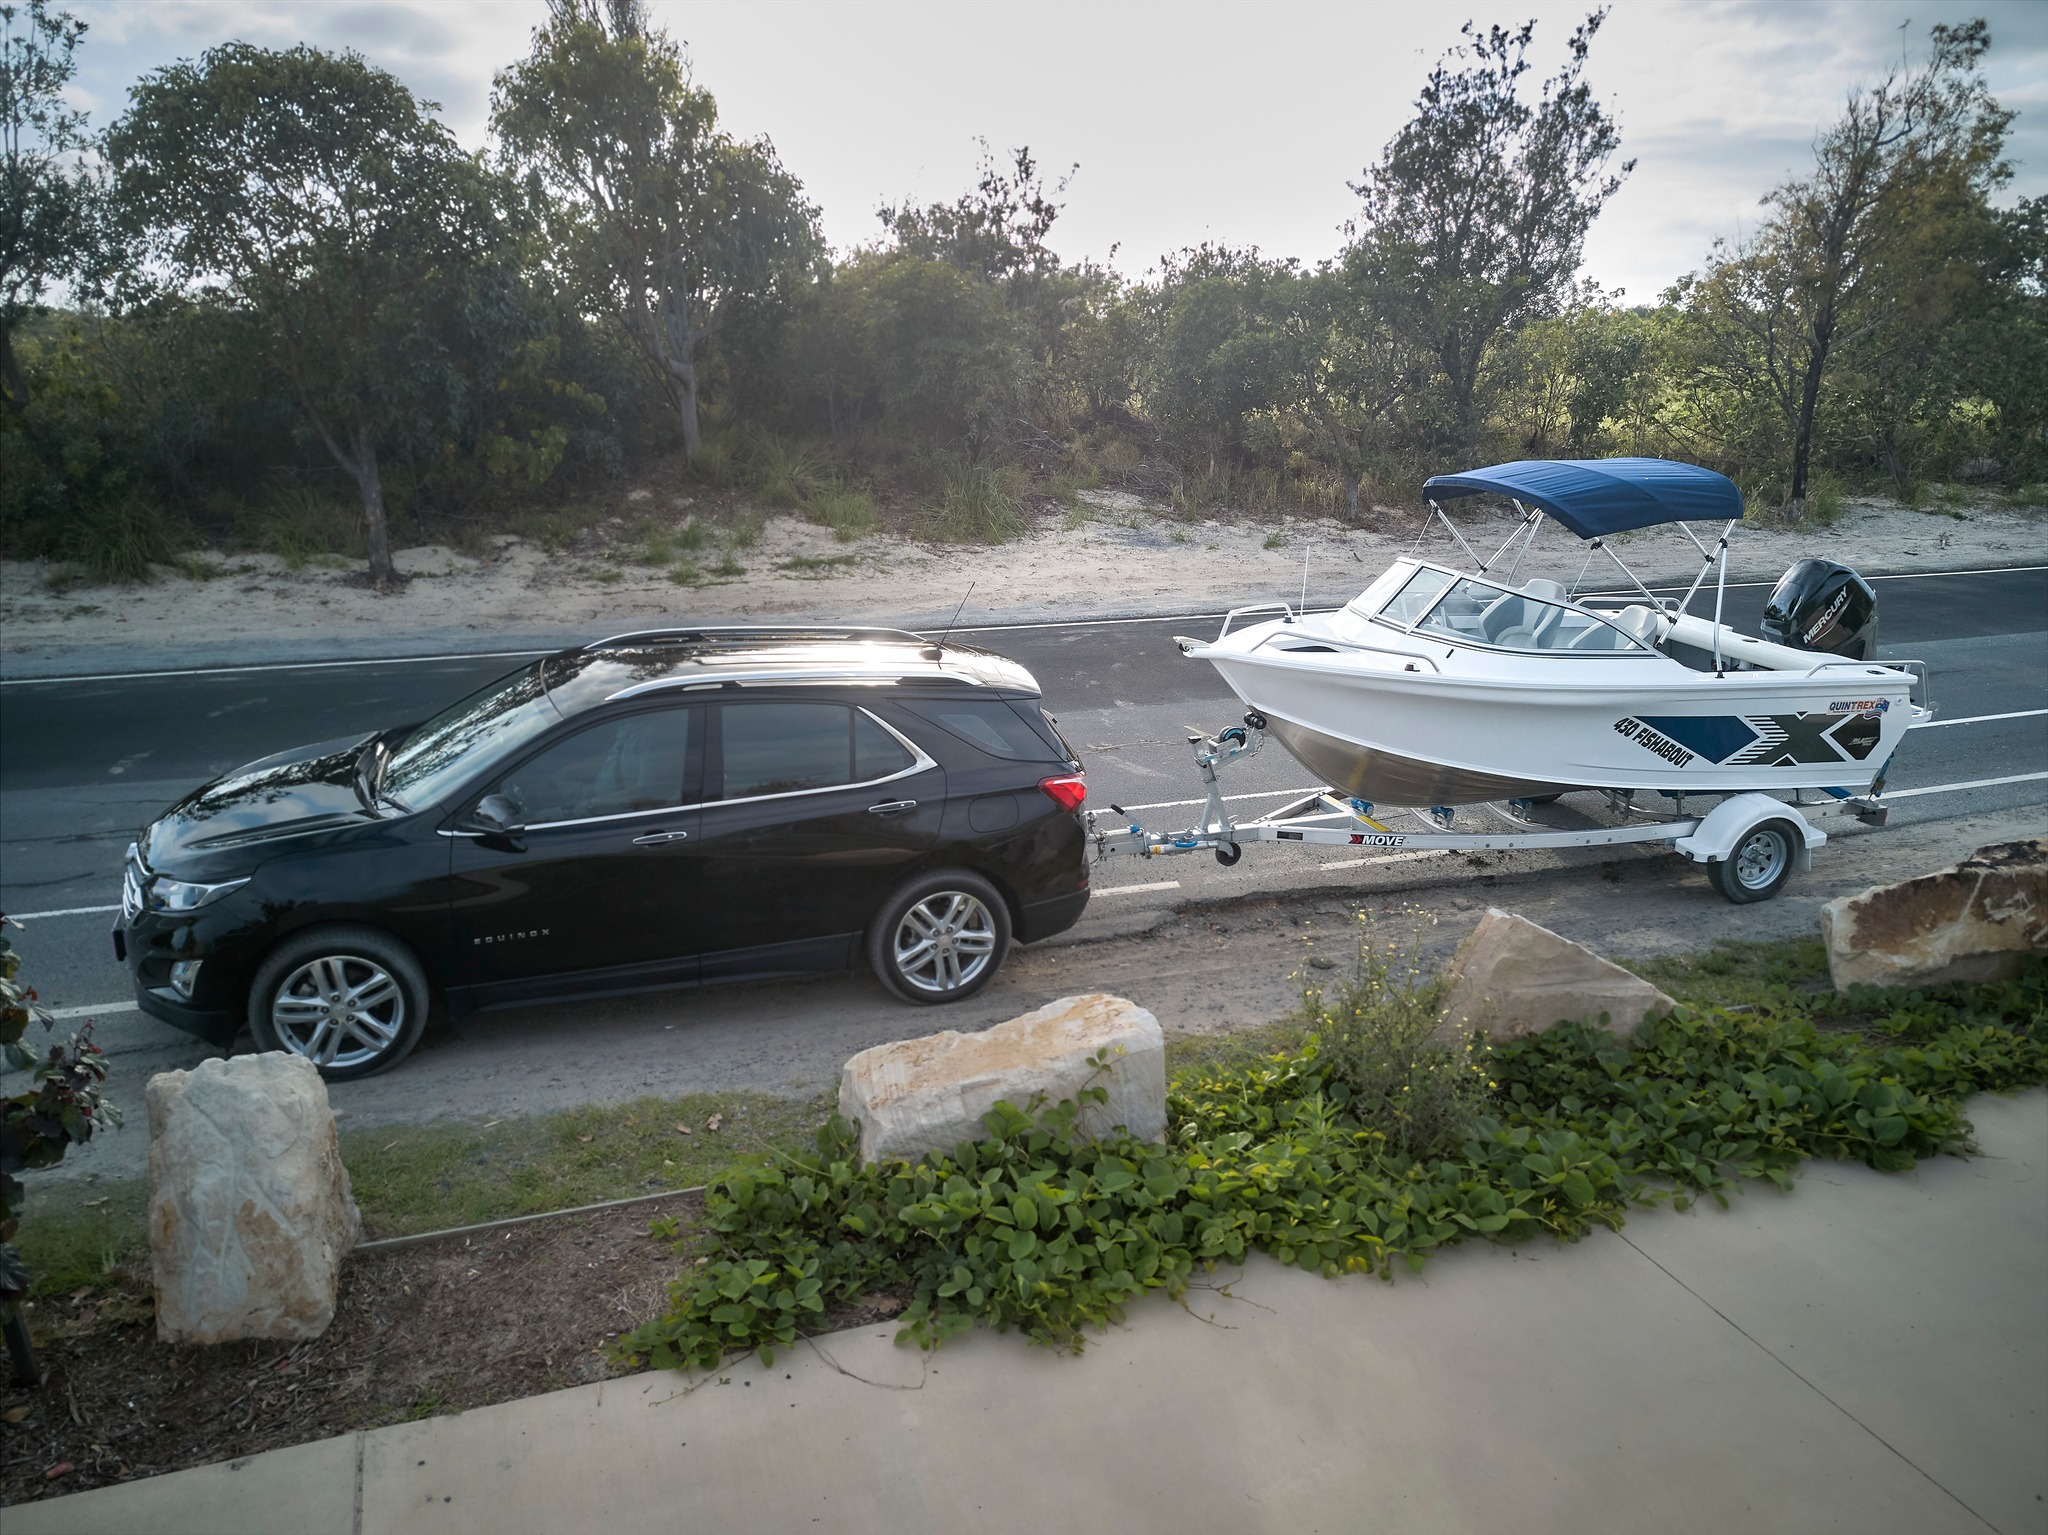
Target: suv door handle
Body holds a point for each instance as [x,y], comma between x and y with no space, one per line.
[659,836]
[893,807]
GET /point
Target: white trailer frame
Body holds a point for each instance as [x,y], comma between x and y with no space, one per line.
[1327,817]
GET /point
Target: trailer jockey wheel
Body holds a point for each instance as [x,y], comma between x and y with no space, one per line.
[1228,854]
[1256,720]
[1759,864]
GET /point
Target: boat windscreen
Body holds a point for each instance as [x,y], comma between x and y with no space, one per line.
[1413,599]
[1475,613]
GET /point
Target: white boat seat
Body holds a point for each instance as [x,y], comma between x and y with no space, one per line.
[1548,590]
[1638,621]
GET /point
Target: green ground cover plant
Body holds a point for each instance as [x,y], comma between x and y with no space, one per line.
[1035,1229]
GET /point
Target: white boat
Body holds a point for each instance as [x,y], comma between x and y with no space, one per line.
[1441,686]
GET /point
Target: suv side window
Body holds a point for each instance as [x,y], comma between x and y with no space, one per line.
[618,767]
[988,723]
[786,748]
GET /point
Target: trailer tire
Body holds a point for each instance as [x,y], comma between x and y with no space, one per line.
[1759,864]
[1228,854]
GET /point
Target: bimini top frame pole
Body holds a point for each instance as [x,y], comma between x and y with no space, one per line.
[1525,531]
[1707,558]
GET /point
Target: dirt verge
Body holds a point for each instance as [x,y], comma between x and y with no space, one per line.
[424,1330]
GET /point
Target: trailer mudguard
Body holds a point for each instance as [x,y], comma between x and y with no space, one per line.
[1721,832]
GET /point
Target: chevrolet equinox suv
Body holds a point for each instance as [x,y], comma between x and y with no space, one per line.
[650,811]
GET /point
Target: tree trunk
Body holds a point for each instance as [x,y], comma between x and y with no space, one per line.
[13,390]
[683,390]
[1802,429]
[376,528]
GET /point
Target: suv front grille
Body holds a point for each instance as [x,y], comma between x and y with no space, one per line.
[133,876]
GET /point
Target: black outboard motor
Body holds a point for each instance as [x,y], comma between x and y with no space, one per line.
[1819,605]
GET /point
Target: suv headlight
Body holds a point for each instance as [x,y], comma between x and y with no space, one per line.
[180,895]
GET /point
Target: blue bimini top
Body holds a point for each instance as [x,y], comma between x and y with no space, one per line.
[1597,496]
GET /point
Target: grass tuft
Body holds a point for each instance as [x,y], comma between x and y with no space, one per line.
[978,504]
[850,514]
[121,542]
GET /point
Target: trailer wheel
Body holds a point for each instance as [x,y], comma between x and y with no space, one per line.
[1228,854]
[1759,865]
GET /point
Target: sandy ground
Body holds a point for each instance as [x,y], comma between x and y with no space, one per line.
[1119,555]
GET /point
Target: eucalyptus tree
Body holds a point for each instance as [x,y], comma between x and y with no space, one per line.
[668,223]
[320,195]
[997,231]
[45,196]
[1872,240]
[1475,217]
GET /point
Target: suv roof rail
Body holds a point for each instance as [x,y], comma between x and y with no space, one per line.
[715,633]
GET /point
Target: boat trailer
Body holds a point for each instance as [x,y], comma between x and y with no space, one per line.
[1750,842]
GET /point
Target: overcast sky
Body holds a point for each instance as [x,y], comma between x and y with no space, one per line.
[1190,121]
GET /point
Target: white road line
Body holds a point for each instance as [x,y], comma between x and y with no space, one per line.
[1354,863]
[68,911]
[1164,884]
[94,1010]
[1063,623]
[1953,788]
[273,666]
[1979,719]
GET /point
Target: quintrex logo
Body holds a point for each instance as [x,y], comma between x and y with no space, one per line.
[1846,733]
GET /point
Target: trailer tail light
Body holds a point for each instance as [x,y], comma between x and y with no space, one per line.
[1066,790]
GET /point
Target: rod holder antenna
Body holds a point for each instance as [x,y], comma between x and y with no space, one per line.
[941,646]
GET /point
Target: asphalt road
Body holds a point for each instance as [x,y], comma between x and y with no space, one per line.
[85,762]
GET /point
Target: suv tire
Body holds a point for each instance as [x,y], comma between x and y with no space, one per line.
[940,938]
[351,1000]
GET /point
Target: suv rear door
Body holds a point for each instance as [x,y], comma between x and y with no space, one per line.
[815,810]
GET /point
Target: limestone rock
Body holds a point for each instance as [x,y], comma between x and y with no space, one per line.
[1976,921]
[1511,978]
[929,1094]
[250,1212]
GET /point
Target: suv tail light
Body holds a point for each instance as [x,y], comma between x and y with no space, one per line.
[1066,790]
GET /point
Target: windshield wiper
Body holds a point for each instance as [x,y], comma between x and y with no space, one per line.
[371,768]
[365,780]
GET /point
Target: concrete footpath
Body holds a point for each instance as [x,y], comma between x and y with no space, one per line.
[1868,1354]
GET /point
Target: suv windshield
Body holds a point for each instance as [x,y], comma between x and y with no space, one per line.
[473,736]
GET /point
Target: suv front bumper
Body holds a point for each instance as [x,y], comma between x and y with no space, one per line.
[148,943]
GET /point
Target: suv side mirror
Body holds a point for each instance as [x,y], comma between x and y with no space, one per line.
[496,814]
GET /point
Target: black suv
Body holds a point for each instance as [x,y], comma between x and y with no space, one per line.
[653,810]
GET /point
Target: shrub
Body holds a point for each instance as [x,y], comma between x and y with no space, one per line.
[300,525]
[62,1106]
[121,541]
[1373,1032]
[978,504]
[1033,1229]
[715,464]
[781,471]
[1826,498]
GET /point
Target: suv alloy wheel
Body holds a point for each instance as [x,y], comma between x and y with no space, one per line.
[941,937]
[349,999]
